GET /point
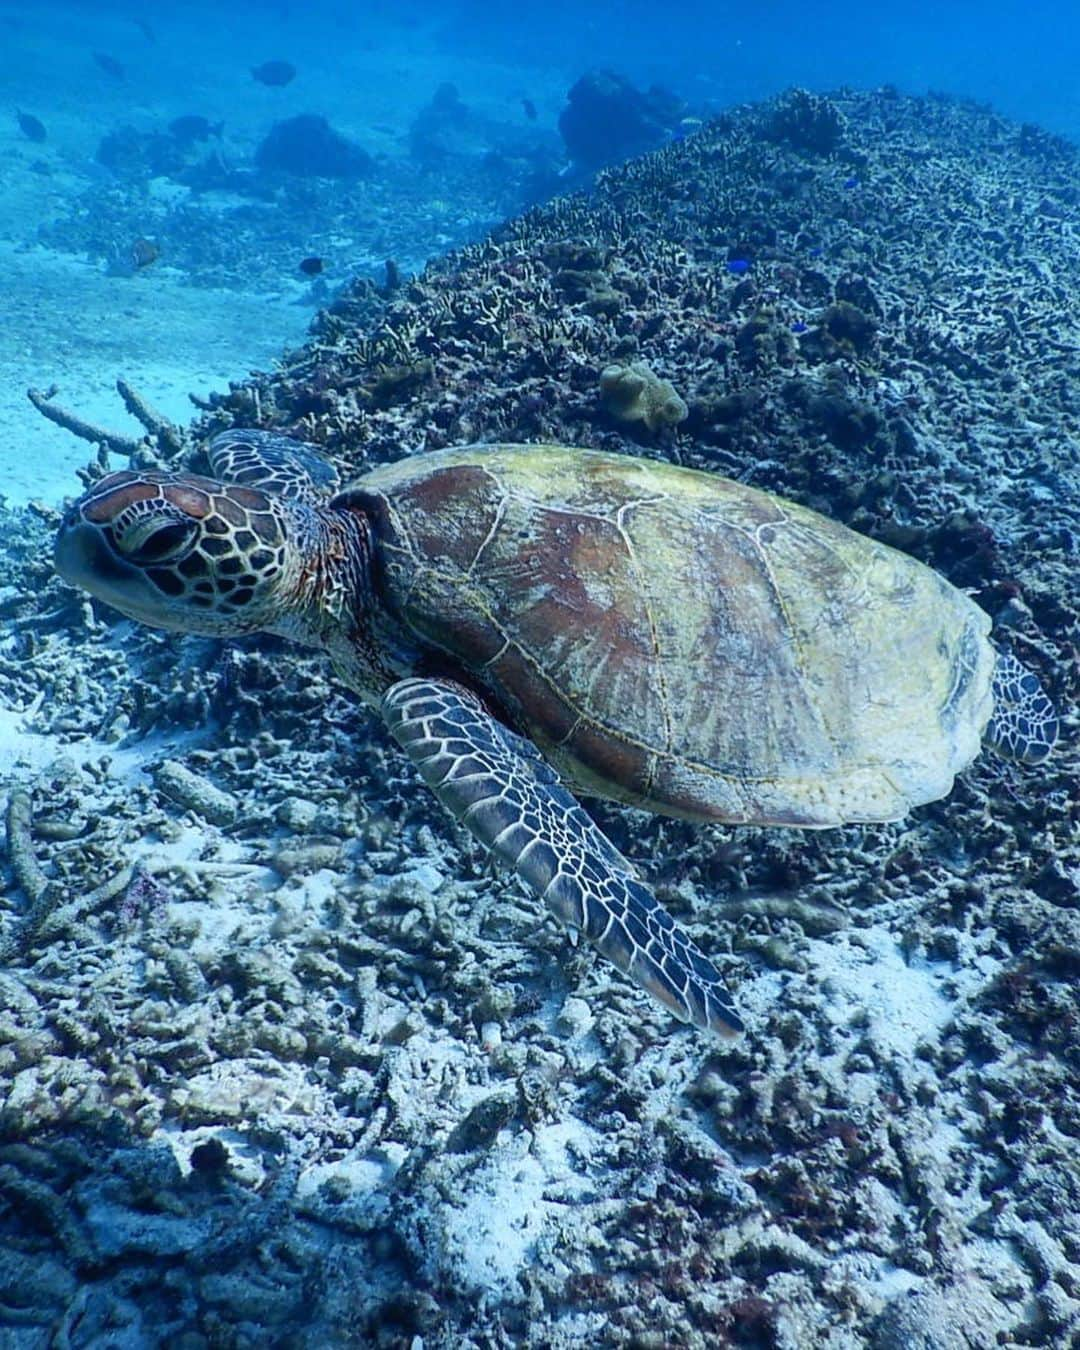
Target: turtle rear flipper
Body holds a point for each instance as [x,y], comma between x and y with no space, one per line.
[1024,725]
[495,784]
[273,463]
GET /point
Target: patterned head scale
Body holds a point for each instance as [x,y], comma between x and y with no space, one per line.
[179,551]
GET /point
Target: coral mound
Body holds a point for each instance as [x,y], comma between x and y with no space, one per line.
[309,147]
[606,119]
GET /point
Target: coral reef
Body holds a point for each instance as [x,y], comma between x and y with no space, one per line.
[397,1106]
[274,219]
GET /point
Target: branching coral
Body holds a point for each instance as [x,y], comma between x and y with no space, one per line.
[807,122]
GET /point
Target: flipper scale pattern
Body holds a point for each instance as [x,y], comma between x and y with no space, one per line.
[496,785]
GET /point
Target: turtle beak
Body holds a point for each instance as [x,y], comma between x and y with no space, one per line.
[83,558]
[80,554]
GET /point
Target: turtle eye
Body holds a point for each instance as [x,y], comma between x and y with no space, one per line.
[156,541]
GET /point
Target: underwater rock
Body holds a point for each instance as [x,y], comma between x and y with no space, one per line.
[481,1126]
[961,1315]
[397,384]
[450,136]
[441,128]
[130,153]
[857,291]
[849,325]
[307,146]
[194,127]
[764,340]
[34,1289]
[592,290]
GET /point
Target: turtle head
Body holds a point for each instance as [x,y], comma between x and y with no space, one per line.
[183,552]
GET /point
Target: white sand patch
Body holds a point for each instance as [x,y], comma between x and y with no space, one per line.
[364,1176]
[72,325]
[903,999]
[493,1232]
[23,753]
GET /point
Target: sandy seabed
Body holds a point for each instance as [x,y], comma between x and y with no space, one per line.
[66,320]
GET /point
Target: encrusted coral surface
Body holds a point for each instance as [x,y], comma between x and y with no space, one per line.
[310,1076]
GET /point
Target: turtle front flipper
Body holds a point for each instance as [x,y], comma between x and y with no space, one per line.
[273,463]
[496,784]
[1024,724]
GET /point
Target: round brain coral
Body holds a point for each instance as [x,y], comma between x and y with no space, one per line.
[635,393]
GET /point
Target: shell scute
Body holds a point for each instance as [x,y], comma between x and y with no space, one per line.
[684,642]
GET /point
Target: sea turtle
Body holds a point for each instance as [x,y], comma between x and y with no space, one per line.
[529,616]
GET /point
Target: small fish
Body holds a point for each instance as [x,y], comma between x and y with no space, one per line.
[738,266]
[145,29]
[110,65]
[530,109]
[31,127]
[798,327]
[311,267]
[851,182]
[194,128]
[816,251]
[274,73]
[143,253]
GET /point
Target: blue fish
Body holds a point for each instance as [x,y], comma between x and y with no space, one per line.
[851,182]
[816,251]
[738,266]
[799,327]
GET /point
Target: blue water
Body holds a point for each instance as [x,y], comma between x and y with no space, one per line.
[1020,57]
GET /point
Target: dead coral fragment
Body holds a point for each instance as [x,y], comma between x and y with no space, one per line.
[28,873]
[635,393]
[195,793]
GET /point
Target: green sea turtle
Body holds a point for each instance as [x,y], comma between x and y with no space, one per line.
[529,616]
